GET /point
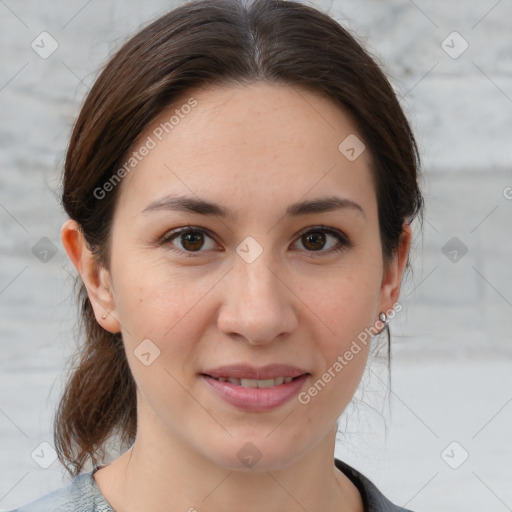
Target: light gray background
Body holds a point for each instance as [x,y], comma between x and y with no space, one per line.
[452,352]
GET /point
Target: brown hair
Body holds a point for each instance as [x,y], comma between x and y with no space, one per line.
[199,43]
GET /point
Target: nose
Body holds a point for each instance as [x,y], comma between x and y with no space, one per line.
[259,304]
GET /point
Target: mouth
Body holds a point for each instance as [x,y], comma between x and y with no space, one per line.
[255,389]
[256,383]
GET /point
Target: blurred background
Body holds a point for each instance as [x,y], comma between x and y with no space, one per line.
[440,438]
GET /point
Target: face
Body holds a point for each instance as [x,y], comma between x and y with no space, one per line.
[270,281]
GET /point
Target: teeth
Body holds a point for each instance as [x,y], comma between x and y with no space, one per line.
[267,383]
[249,383]
[257,383]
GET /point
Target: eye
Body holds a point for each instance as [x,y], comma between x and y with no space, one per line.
[191,240]
[316,239]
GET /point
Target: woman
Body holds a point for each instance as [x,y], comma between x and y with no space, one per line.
[240,184]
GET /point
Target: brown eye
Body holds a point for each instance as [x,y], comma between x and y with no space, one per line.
[318,239]
[314,241]
[192,241]
[188,240]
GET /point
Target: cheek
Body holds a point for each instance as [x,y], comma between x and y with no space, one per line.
[343,343]
[346,301]
[147,291]
[347,309]
[165,305]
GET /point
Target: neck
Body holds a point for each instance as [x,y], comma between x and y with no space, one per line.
[171,477]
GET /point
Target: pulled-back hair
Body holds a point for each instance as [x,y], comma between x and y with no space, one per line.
[200,43]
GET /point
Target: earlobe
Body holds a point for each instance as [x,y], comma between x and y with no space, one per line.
[392,278]
[95,277]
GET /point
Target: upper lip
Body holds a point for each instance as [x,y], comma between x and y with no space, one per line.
[245,371]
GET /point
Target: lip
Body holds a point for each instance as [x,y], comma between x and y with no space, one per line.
[245,371]
[256,399]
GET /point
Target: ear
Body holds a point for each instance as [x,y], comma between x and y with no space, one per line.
[392,278]
[95,277]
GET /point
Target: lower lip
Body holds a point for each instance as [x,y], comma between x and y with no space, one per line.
[256,399]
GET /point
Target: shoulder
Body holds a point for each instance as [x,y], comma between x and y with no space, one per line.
[81,495]
[373,499]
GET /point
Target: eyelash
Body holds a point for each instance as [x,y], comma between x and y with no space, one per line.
[343,241]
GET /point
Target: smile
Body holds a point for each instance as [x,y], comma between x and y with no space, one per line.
[256,383]
[256,395]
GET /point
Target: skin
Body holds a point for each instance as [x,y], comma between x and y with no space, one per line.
[254,149]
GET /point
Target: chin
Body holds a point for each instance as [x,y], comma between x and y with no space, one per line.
[257,454]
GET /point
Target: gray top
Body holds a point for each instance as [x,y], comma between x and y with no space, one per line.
[84,495]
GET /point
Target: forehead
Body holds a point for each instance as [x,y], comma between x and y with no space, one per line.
[251,145]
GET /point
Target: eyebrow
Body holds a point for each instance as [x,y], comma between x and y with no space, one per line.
[203,207]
